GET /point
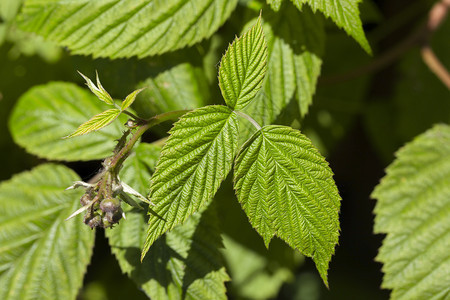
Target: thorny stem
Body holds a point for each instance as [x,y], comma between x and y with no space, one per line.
[117,160]
[421,37]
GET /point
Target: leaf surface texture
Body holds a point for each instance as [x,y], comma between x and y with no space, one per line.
[413,209]
[42,256]
[286,189]
[196,158]
[113,28]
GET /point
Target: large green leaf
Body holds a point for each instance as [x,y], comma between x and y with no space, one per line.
[47,113]
[42,256]
[295,45]
[345,13]
[113,28]
[413,208]
[176,265]
[196,158]
[242,68]
[287,189]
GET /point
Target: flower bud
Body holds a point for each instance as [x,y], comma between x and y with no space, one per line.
[110,205]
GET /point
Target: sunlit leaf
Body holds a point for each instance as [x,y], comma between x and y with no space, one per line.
[194,161]
[97,122]
[287,189]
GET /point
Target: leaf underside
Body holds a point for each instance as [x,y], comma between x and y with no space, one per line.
[46,113]
[186,261]
[196,158]
[286,189]
[242,68]
[113,28]
[344,13]
[413,208]
[41,255]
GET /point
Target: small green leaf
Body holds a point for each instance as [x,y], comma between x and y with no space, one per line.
[112,28]
[287,189]
[242,68]
[46,113]
[275,4]
[99,91]
[41,255]
[130,99]
[413,209]
[344,13]
[97,122]
[196,158]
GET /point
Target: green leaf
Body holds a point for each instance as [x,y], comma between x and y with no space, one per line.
[286,189]
[113,28]
[183,86]
[97,122]
[413,208]
[130,99]
[344,13]
[196,158]
[275,4]
[98,90]
[242,68]
[41,255]
[295,47]
[46,113]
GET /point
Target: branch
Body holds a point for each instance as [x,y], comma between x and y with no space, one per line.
[421,37]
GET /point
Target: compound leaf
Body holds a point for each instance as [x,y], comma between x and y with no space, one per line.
[97,122]
[41,255]
[413,209]
[196,158]
[46,113]
[287,189]
[124,28]
[242,68]
[344,13]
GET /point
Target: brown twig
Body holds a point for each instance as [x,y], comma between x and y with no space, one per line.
[436,16]
[421,37]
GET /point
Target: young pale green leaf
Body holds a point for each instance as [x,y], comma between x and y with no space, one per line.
[46,113]
[97,122]
[287,189]
[98,90]
[41,255]
[125,28]
[344,13]
[413,209]
[242,68]
[130,99]
[296,43]
[185,262]
[196,158]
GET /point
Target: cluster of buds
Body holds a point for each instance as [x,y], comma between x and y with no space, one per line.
[103,213]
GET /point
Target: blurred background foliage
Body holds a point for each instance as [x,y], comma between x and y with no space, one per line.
[356,121]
